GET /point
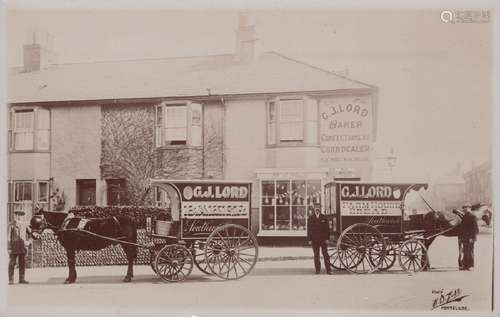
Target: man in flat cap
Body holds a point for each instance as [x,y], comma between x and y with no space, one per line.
[17,243]
[318,232]
[466,238]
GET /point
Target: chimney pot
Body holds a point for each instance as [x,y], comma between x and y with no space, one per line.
[245,46]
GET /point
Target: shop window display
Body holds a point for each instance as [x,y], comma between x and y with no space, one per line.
[285,203]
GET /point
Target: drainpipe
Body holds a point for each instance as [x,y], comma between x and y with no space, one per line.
[223,135]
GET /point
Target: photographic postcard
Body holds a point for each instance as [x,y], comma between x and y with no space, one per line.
[279,159]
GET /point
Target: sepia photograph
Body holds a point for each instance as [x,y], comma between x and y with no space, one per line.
[213,159]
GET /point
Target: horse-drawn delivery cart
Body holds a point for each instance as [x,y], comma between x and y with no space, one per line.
[368,227]
[209,227]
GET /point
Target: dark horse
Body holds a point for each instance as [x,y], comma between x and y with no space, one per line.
[72,239]
[440,223]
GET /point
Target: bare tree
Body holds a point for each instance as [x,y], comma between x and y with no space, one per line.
[128,149]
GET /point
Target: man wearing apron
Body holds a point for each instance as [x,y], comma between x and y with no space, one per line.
[17,243]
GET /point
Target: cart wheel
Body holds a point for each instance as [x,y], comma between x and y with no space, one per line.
[199,257]
[388,259]
[153,252]
[231,251]
[413,256]
[363,248]
[174,263]
[335,262]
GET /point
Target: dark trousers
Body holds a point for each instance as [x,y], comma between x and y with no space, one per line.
[316,245]
[468,260]
[465,253]
[12,265]
[460,254]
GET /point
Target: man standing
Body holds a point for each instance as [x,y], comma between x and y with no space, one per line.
[467,237]
[17,246]
[318,233]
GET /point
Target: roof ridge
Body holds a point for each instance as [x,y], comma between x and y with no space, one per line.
[319,68]
[134,60]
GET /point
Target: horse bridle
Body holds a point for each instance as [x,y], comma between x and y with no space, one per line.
[46,224]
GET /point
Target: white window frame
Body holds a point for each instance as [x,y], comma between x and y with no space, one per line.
[298,122]
[292,232]
[14,192]
[310,122]
[161,198]
[39,191]
[194,128]
[37,131]
[30,132]
[181,124]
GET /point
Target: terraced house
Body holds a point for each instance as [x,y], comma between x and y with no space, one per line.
[95,133]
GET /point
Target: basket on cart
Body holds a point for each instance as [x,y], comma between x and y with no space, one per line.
[163,227]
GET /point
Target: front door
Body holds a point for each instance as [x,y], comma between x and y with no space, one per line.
[86,190]
[116,192]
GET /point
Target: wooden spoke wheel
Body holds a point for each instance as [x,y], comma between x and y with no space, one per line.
[335,255]
[231,251]
[413,256]
[387,260]
[362,247]
[153,252]
[198,249]
[335,262]
[174,263]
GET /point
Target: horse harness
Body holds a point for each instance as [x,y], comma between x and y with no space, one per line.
[82,223]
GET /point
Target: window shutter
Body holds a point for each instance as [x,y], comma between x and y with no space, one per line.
[195,124]
[312,121]
[9,197]
[158,125]
[10,135]
[271,123]
[43,129]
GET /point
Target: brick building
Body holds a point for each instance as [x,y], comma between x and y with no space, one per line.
[95,133]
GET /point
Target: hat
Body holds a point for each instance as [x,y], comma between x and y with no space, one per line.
[19,212]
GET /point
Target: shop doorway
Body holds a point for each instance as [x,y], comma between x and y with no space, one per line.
[116,192]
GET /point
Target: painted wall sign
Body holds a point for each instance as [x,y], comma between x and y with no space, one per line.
[345,129]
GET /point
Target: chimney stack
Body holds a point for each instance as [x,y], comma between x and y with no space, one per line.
[245,37]
[38,56]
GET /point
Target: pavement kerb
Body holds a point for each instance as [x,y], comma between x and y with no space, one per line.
[283,258]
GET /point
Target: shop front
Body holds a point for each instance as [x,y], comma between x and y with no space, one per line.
[286,198]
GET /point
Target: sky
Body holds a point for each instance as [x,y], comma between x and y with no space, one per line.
[434,78]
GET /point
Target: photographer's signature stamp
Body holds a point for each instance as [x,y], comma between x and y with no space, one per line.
[447,300]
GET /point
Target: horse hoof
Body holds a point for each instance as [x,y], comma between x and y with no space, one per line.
[127,279]
[68,281]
